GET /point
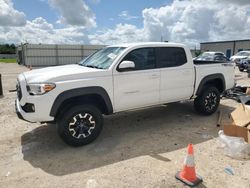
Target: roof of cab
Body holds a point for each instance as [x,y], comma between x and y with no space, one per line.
[149,44]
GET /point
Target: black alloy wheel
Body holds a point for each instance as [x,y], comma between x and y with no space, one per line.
[80,125]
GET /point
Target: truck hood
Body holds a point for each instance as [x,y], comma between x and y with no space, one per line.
[62,73]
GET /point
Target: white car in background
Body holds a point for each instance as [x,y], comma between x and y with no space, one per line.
[212,56]
[240,59]
[239,56]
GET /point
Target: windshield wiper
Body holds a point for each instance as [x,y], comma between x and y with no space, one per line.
[92,66]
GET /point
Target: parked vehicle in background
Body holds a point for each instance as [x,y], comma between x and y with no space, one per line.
[240,58]
[248,69]
[116,79]
[243,64]
[212,56]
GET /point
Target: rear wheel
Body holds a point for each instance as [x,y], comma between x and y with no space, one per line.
[208,101]
[80,125]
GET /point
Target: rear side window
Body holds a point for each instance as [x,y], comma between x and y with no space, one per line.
[144,58]
[171,57]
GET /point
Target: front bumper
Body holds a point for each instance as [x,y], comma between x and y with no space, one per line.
[21,113]
[32,108]
[19,110]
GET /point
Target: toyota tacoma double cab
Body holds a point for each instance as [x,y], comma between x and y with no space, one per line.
[118,78]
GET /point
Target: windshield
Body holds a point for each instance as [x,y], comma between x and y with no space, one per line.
[103,58]
[243,54]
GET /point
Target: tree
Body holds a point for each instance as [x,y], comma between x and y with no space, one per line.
[7,49]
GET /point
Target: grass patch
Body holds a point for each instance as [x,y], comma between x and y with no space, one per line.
[8,60]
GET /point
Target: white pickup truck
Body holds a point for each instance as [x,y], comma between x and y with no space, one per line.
[118,78]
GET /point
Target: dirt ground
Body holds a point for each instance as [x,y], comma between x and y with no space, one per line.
[136,149]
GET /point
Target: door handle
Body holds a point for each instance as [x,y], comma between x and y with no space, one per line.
[155,75]
[132,92]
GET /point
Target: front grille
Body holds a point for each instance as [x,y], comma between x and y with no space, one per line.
[19,91]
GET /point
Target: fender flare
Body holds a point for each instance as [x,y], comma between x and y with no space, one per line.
[81,92]
[211,78]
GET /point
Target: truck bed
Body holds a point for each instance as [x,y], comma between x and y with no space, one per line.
[199,62]
[205,68]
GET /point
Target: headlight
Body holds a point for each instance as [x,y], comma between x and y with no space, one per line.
[40,89]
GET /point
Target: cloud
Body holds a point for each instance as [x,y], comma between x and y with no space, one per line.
[40,31]
[123,33]
[37,30]
[94,1]
[185,21]
[9,16]
[74,13]
[239,2]
[126,16]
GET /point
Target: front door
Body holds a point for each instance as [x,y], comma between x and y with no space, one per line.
[139,87]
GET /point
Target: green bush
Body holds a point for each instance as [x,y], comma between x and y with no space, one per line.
[7,49]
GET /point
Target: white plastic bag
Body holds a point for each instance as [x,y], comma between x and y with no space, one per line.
[234,147]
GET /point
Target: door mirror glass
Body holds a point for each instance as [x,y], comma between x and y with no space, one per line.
[126,66]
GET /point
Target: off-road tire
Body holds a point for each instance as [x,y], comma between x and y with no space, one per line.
[80,125]
[208,101]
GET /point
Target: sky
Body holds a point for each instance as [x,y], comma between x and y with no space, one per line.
[114,21]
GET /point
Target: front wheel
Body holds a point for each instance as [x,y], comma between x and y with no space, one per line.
[80,125]
[208,101]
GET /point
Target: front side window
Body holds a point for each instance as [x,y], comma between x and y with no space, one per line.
[144,58]
[171,56]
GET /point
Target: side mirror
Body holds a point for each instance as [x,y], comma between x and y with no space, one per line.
[126,66]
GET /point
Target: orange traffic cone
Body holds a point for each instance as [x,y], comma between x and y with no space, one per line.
[188,174]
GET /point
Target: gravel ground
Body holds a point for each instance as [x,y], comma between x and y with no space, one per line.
[142,148]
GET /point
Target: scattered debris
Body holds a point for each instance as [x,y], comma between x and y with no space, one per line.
[206,136]
[197,132]
[234,147]
[236,92]
[91,183]
[160,157]
[229,170]
[7,174]
[238,124]
[219,118]
[12,90]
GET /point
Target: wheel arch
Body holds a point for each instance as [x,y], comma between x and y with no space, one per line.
[216,80]
[96,95]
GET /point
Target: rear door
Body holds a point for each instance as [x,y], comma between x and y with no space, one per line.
[139,87]
[177,74]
